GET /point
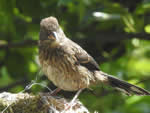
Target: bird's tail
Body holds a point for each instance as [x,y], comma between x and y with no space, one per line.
[121,85]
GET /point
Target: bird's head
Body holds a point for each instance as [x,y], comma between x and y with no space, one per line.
[50,32]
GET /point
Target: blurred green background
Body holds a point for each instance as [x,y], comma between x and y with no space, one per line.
[115,32]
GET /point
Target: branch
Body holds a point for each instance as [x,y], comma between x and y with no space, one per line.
[43,103]
[25,43]
[114,37]
[103,37]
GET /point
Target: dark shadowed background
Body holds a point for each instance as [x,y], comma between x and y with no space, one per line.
[115,32]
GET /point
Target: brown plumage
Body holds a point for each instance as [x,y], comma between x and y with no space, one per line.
[69,66]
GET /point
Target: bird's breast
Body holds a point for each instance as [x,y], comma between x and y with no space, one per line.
[62,70]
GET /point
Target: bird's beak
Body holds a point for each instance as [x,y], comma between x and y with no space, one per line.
[56,36]
[53,36]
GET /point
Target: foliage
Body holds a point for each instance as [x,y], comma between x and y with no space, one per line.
[114,32]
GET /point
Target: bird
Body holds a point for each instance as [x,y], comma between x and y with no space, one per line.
[69,66]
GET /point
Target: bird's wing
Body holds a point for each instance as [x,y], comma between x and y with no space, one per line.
[84,59]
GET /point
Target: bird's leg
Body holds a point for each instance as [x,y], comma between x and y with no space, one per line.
[54,92]
[72,103]
[76,95]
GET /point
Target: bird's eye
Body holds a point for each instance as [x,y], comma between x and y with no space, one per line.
[52,36]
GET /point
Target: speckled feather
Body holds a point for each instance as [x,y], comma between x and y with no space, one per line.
[69,66]
[63,68]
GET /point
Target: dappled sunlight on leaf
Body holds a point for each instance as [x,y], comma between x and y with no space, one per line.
[147,28]
[5,79]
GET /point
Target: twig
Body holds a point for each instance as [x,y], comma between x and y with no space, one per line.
[25,43]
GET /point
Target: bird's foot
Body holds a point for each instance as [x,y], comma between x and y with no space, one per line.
[72,102]
[54,92]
